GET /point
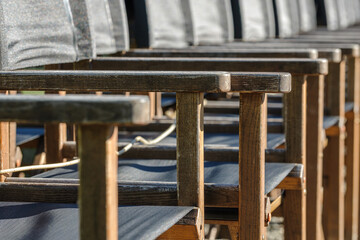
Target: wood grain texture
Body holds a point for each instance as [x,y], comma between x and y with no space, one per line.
[295,135]
[258,53]
[139,81]
[352,151]
[334,183]
[74,109]
[252,144]
[55,137]
[314,156]
[98,197]
[190,151]
[261,82]
[293,66]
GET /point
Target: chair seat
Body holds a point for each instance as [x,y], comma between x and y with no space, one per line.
[220,139]
[165,171]
[43,221]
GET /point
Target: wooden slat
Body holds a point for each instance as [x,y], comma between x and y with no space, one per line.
[74,109]
[98,197]
[252,144]
[190,151]
[295,135]
[4,146]
[333,210]
[352,151]
[314,156]
[130,192]
[294,66]
[131,81]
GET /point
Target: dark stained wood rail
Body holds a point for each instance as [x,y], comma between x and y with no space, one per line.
[293,66]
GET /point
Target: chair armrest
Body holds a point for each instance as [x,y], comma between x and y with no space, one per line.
[239,53]
[293,66]
[83,109]
[115,81]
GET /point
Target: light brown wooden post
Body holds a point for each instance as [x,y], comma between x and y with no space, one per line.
[352,151]
[190,151]
[12,141]
[252,144]
[55,134]
[314,156]
[4,148]
[334,195]
[98,193]
[295,134]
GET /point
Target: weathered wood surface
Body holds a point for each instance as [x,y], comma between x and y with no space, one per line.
[293,65]
[85,109]
[131,81]
[333,209]
[352,150]
[190,151]
[129,192]
[314,156]
[261,82]
[252,144]
[98,196]
[295,135]
[194,52]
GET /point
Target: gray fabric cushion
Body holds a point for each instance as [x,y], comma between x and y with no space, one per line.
[287,18]
[102,26]
[307,15]
[40,32]
[160,24]
[120,24]
[212,21]
[253,19]
[44,221]
[332,17]
[165,171]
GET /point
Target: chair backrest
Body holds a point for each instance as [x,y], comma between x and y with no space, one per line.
[160,24]
[253,19]
[120,24]
[60,35]
[212,21]
[102,26]
[337,14]
[307,15]
[287,18]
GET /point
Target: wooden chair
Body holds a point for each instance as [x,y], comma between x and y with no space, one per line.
[189,102]
[313,154]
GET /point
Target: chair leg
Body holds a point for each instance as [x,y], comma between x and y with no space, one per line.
[334,159]
[98,192]
[252,144]
[190,151]
[295,135]
[314,157]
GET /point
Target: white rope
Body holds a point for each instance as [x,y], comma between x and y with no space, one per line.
[77,160]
